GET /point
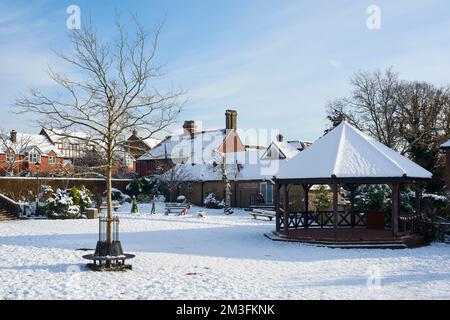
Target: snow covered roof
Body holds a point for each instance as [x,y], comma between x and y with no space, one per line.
[58,135]
[446,145]
[240,166]
[200,148]
[151,142]
[281,149]
[26,142]
[347,152]
[299,145]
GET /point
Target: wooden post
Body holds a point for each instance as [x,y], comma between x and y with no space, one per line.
[418,199]
[335,208]
[352,205]
[277,207]
[395,207]
[286,210]
[306,188]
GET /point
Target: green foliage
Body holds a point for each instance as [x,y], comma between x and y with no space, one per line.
[134,205]
[144,186]
[372,198]
[322,200]
[67,204]
[212,202]
[75,195]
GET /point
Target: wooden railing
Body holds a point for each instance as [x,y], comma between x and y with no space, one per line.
[325,219]
[10,205]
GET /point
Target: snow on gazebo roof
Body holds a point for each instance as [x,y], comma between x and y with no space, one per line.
[346,152]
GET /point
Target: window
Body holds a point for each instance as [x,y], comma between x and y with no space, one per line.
[34,157]
[266,190]
[52,160]
[128,161]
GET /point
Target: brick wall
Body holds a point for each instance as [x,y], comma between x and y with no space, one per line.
[27,187]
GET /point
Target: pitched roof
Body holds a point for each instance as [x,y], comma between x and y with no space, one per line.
[347,152]
[286,150]
[199,148]
[28,142]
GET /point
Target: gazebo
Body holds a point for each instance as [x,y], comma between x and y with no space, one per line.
[347,157]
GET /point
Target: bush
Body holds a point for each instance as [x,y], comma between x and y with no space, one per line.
[181,199]
[372,198]
[67,204]
[144,186]
[212,202]
[118,196]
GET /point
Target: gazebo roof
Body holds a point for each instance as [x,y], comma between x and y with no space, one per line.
[349,154]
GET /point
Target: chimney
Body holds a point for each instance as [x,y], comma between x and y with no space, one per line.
[13,135]
[280,137]
[135,132]
[231,119]
[190,127]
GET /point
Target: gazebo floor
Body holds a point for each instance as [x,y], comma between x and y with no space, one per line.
[350,238]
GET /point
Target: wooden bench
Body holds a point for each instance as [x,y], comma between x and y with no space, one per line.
[255,213]
[115,206]
[175,207]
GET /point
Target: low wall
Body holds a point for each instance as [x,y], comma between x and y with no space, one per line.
[26,187]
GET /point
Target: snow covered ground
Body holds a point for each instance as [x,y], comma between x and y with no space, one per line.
[218,257]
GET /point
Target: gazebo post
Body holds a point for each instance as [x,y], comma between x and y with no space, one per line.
[277,207]
[352,204]
[395,207]
[335,208]
[418,199]
[286,210]
[306,188]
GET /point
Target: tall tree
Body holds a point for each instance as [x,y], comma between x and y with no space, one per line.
[110,93]
[409,117]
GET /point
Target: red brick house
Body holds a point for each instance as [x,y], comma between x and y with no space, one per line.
[197,146]
[29,152]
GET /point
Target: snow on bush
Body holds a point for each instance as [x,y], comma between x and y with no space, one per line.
[68,204]
[181,199]
[212,202]
[119,196]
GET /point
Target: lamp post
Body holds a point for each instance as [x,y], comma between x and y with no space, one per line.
[37,165]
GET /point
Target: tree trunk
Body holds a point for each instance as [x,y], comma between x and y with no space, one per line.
[109,233]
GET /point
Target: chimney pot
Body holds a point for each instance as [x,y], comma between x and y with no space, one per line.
[13,136]
[280,137]
[190,127]
[231,119]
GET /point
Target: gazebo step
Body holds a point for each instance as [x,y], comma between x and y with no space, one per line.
[375,243]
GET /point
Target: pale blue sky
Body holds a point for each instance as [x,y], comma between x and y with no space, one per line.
[277,62]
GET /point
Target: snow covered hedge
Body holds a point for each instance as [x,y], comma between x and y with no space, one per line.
[66,204]
[212,202]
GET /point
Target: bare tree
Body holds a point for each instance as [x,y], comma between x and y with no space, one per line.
[15,149]
[410,117]
[373,106]
[174,177]
[111,93]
